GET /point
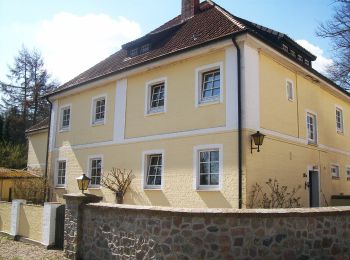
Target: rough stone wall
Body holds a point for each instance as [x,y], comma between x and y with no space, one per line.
[117,231]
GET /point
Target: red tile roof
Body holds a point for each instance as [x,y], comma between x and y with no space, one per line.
[211,23]
[42,125]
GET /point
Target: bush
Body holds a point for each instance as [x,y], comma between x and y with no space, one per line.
[277,196]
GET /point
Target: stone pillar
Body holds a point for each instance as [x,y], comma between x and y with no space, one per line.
[49,223]
[73,222]
[15,214]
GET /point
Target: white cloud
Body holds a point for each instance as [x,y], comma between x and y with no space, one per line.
[321,63]
[70,44]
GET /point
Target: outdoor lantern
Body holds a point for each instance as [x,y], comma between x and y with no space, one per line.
[83,182]
[258,139]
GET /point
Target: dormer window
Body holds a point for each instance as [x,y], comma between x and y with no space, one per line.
[133,52]
[300,58]
[285,47]
[292,53]
[145,48]
[307,62]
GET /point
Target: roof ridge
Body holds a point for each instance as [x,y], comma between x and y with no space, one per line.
[228,15]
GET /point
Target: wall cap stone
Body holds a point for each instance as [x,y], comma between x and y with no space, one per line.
[293,212]
[82,197]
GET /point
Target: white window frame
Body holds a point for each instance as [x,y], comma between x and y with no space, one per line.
[94,100]
[335,166]
[60,186]
[347,171]
[292,87]
[90,158]
[144,168]
[196,178]
[61,128]
[148,88]
[198,84]
[312,142]
[339,130]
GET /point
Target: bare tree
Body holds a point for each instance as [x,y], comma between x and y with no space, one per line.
[338,30]
[118,181]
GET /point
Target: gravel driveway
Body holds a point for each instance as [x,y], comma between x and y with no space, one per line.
[12,250]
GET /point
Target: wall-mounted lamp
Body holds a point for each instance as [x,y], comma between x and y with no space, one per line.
[83,182]
[258,139]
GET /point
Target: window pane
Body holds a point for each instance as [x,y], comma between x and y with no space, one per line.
[204,168]
[204,156]
[214,156]
[214,179]
[214,167]
[204,179]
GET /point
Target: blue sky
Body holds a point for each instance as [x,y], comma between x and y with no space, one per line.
[74,35]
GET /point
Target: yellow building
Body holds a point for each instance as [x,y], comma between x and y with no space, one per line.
[178,106]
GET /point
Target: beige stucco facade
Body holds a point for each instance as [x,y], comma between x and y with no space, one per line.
[37,149]
[185,126]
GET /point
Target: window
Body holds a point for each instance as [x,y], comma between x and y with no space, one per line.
[153,165]
[307,62]
[285,47]
[311,128]
[61,173]
[339,120]
[292,53]
[348,173]
[145,48]
[300,58]
[209,80]
[335,171]
[99,110]
[290,90]
[133,52]
[154,170]
[65,118]
[95,166]
[208,166]
[155,95]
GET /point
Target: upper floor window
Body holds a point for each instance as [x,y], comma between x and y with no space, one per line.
[145,48]
[335,171]
[99,110]
[209,80]
[133,52]
[348,173]
[155,96]
[65,117]
[311,121]
[61,173]
[208,166]
[95,170]
[290,90]
[339,120]
[153,166]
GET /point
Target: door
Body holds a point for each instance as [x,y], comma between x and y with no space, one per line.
[59,232]
[314,189]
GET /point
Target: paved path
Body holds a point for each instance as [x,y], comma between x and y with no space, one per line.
[12,250]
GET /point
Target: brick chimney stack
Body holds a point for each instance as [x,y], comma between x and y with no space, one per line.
[189,9]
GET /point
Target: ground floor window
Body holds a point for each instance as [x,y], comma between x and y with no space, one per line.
[95,171]
[61,173]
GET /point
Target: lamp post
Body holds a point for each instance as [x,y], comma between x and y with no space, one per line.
[258,139]
[83,182]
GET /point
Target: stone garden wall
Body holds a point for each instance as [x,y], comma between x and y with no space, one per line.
[117,231]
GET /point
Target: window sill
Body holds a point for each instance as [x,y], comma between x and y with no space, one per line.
[209,103]
[312,144]
[94,188]
[152,188]
[340,132]
[99,123]
[200,189]
[64,130]
[60,187]
[336,178]
[153,113]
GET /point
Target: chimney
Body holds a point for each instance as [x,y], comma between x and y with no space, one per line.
[189,9]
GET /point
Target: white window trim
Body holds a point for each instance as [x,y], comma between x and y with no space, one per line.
[149,84]
[60,186]
[347,168]
[330,168]
[198,83]
[144,169]
[60,118]
[93,110]
[196,179]
[337,107]
[293,93]
[317,126]
[90,157]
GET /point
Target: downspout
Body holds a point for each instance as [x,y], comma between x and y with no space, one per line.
[47,151]
[240,138]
